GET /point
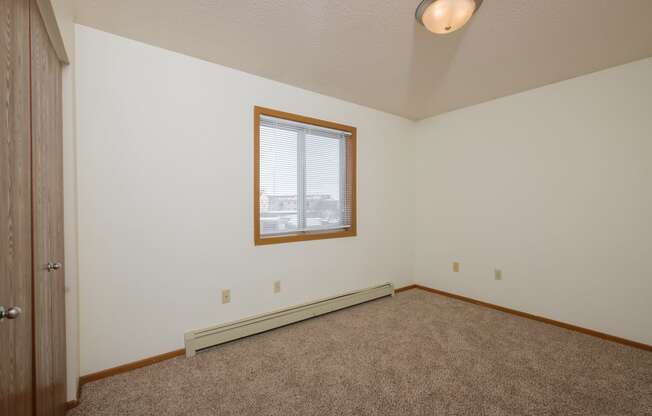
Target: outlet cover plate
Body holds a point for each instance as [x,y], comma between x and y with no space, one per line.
[226,296]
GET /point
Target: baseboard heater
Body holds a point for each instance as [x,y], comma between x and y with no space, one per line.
[209,337]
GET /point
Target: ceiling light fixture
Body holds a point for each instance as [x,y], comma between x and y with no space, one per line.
[446,16]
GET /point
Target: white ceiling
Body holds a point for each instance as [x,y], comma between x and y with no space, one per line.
[373,52]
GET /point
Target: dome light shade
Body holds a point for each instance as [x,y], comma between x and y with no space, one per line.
[446,16]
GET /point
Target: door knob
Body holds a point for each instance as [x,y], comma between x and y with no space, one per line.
[11,313]
[52,266]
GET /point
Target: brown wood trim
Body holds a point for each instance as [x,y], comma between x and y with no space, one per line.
[404,288]
[130,366]
[257,113]
[71,404]
[303,119]
[564,325]
[352,231]
[304,237]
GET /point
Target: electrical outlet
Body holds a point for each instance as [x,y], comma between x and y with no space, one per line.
[456,267]
[498,274]
[277,286]
[226,295]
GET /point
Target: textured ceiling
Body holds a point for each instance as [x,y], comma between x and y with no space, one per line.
[373,52]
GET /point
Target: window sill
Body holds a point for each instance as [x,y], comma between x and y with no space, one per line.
[293,238]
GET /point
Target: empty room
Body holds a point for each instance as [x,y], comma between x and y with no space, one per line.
[342,207]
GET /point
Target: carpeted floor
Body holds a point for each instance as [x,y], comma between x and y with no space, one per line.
[414,354]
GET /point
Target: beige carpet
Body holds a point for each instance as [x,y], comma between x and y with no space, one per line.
[414,354]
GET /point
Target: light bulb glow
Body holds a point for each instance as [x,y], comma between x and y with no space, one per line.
[446,16]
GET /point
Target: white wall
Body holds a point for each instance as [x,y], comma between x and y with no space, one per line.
[554,187]
[165,160]
[64,15]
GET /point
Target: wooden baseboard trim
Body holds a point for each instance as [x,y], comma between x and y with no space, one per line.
[73,403]
[130,366]
[564,325]
[404,288]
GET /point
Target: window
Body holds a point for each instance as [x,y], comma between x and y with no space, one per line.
[304,178]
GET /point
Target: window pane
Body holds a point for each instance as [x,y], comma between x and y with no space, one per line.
[324,174]
[304,182]
[278,180]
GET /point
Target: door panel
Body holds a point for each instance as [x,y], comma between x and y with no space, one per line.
[15,210]
[47,205]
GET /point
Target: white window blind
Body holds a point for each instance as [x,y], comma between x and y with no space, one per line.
[304,183]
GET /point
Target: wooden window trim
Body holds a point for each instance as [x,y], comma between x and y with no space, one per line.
[351,178]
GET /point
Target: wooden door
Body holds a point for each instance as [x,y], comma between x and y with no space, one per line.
[15,211]
[47,207]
